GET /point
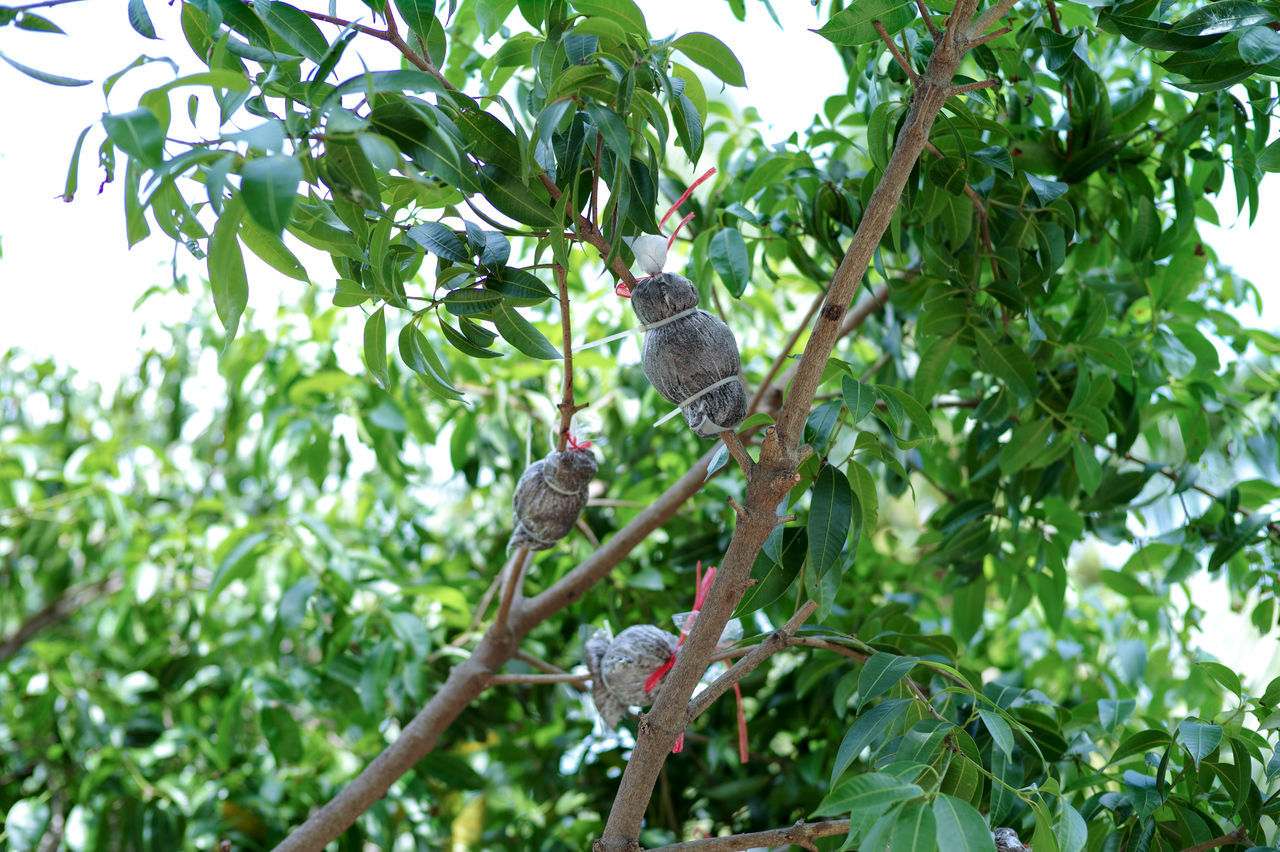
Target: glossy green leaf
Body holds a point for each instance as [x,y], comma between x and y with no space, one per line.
[294,28]
[1199,739]
[830,514]
[269,186]
[44,76]
[713,54]
[440,240]
[915,829]
[960,828]
[227,280]
[517,331]
[138,133]
[140,20]
[1220,18]
[860,399]
[418,355]
[854,26]
[375,346]
[871,792]
[881,673]
[731,260]
[625,12]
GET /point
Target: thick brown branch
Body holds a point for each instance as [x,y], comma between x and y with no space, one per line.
[739,452]
[773,643]
[800,834]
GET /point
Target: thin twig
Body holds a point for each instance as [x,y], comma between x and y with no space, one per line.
[993,36]
[567,677]
[1238,837]
[537,662]
[391,35]
[773,643]
[515,573]
[991,83]
[801,834]
[567,406]
[739,452]
[929,23]
[589,232]
[897,54]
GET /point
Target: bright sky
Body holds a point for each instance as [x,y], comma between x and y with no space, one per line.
[68,283]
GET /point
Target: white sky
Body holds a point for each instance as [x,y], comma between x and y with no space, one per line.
[68,283]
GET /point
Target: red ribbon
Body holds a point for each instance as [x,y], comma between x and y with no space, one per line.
[703,585]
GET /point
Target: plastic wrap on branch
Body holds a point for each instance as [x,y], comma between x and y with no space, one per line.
[689,356]
[550,496]
[1006,840]
[621,665]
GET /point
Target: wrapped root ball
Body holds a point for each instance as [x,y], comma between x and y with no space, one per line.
[550,496]
[620,668]
[689,356]
[1006,840]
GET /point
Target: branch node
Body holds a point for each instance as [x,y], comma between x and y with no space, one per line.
[737,450]
[738,509]
[992,83]
[929,23]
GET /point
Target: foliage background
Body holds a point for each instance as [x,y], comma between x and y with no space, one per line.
[264,598]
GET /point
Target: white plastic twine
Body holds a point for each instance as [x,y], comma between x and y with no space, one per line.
[697,396]
[638,329]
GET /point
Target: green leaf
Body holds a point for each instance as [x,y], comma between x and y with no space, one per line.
[915,412]
[731,260]
[860,399]
[73,168]
[1216,19]
[140,20]
[1223,675]
[138,133]
[227,281]
[960,828]
[235,562]
[1088,468]
[915,830]
[1199,739]
[517,331]
[269,186]
[830,514]
[45,76]
[294,27]
[474,300]
[1001,733]
[869,793]
[419,15]
[625,12]
[712,54]
[1026,446]
[614,130]
[519,287]
[36,23]
[1269,159]
[876,723]
[281,732]
[375,346]
[776,568]
[1008,363]
[418,355]
[271,250]
[688,126]
[440,240]
[854,26]
[512,198]
[950,173]
[1260,45]
[1047,191]
[881,673]
[1071,830]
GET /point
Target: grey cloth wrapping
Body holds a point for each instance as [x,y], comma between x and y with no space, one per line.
[550,496]
[620,666]
[683,357]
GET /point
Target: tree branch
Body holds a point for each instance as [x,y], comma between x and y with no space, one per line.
[897,54]
[773,643]
[567,677]
[515,573]
[800,834]
[592,234]
[567,405]
[56,611]
[1238,837]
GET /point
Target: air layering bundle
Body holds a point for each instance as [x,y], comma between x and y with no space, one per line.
[550,496]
